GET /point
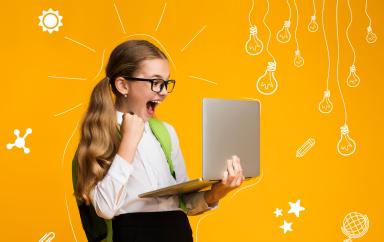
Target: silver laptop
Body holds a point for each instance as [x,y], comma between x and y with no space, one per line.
[230,127]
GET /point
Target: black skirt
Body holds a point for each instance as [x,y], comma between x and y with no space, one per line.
[168,226]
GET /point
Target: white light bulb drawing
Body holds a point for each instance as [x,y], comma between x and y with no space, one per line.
[346,145]
[298,61]
[283,35]
[370,37]
[253,46]
[325,105]
[267,83]
[353,79]
[313,26]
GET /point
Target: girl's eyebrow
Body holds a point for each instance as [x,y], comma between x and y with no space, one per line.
[158,76]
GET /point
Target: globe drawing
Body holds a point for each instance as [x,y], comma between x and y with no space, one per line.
[355,225]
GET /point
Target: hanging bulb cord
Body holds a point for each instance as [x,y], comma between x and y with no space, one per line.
[269,30]
[297,24]
[249,14]
[290,10]
[314,8]
[326,43]
[366,13]
[338,60]
[347,32]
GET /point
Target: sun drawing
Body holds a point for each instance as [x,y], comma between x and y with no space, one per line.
[50,20]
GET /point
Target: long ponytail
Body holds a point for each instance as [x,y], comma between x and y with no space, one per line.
[98,143]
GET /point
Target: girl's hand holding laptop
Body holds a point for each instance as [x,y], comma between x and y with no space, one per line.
[232,179]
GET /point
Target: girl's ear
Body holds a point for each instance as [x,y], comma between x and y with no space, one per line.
[122,85]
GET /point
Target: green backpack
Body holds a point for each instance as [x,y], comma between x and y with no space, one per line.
[98,229]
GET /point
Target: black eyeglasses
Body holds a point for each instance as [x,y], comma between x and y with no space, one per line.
[157,85]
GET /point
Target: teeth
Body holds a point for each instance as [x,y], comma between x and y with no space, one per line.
[156,101]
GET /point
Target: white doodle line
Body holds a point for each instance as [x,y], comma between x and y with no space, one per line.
[66,145]
[366,12]
[69,216]
[118,15]
[269,30]
[347,32]
[200,78]
[249,14]
[297,24]
[58,114]
[326,44]
[77,42]
[65,194]
[248,186]
[290,11]
[338,61]
[161,17]
[314,7]
[193,38]
[69,78]
[101,66]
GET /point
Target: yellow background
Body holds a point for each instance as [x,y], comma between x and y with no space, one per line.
[34,187]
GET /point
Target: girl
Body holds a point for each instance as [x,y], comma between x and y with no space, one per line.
[112,171]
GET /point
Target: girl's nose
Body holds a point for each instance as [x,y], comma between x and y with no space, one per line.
[163,92]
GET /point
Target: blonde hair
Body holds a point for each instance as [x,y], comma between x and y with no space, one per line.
[99,141]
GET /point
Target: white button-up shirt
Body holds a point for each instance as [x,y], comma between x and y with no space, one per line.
[117,193]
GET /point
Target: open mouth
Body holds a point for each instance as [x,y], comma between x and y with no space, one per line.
[151,106]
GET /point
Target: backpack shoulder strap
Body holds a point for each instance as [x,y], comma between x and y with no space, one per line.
[162,135]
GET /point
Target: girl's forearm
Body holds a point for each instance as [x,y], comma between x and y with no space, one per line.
[212,197]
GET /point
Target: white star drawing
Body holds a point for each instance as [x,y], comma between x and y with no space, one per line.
[278,212]
[295,208]
[286,226]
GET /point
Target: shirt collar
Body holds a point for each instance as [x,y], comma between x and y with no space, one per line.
[119,116]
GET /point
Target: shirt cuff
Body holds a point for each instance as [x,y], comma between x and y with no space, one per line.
[213,206]
[196,203]
[120,169]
